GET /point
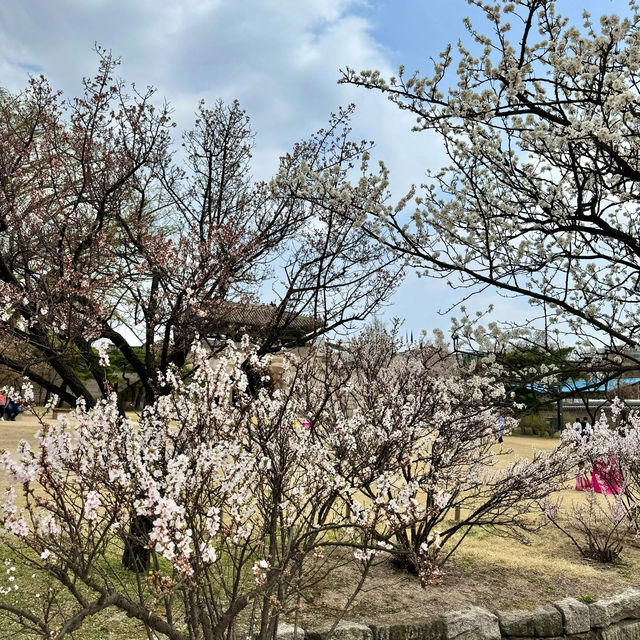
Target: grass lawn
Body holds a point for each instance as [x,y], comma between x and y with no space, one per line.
[487,570]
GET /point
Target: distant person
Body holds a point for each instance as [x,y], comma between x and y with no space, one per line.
[583,481]
[623,423]
[3,403]
[605,477]
[585,428]
[583,477]
[13,409]
[501,423]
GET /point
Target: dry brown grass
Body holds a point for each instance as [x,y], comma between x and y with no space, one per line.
[25,427]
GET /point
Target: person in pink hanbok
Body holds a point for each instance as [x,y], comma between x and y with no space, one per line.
[583,482]
[606,478]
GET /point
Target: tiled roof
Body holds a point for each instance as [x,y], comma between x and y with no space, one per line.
[233,316]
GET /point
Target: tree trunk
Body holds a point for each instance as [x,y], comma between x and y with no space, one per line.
[136,550]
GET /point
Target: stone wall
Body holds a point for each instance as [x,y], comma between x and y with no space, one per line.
[613,618]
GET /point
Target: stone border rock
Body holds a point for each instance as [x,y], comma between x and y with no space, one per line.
[614,618]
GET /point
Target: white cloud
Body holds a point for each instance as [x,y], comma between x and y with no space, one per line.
[280,58]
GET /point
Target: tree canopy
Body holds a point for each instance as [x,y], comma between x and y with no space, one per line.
[110,231]
[539,119]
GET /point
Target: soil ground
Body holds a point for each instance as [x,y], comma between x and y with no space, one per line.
[489,571]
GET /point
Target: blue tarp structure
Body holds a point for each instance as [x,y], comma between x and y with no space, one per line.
[577,385]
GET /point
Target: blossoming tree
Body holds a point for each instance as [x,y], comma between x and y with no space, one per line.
[539,120]
[418,434]
[608,469]
[233,501]
[231,493]
[110,234]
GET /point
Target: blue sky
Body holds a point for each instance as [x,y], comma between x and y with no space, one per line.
[281,59]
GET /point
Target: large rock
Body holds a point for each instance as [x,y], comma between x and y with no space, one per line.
[344,631]
[575,615]
[544,622]
[590,635]
[474,623]
[622,606]
[422,630]
[622,631]
[288,631]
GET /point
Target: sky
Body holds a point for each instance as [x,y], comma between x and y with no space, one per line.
[282,60]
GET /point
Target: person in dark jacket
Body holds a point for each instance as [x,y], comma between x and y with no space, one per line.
[585,428]
[13,409]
